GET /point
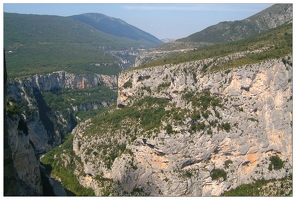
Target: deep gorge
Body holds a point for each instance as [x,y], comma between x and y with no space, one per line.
[34,127]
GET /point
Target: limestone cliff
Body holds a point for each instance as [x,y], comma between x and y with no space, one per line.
[31,132]
[230,122]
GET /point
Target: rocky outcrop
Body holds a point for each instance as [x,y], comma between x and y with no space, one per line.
[166,50]
[63,79]
[90,106]
[230,122]
[272,17]
[126,57]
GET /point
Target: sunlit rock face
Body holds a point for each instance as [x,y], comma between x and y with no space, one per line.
[252,123]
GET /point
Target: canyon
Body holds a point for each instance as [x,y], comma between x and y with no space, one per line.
[31,132]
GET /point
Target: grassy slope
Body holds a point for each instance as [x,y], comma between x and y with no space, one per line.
[279,41]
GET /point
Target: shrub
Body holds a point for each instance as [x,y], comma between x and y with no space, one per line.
[276,163]
[209,131]
[196,117]
[204,68]
[12,110]
[198,126]
[194,77]
[218,173]
[206,114]
[227,163]
[188,174]
[148,89]
[163,86]
[226,126]
[169,129]
[128,84]
[217,114]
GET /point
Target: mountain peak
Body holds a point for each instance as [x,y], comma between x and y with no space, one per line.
[99,16]
[116,27]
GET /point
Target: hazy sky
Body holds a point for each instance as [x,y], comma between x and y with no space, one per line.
[168,20]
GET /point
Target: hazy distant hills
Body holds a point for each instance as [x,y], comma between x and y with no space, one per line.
[271,17]
[117,27]
[83,28]
[45,43]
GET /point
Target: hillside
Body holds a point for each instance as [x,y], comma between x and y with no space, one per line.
[274,43]
[38,44]
[117,27]
[222,32]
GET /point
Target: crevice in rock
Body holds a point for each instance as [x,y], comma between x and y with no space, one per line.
[22,126]
[43,115]
[141,78]
[188,163]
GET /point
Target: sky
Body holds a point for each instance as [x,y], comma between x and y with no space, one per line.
[163,20]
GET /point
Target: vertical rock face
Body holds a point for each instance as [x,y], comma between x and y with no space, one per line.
[21,167]
[10,182]
[63,79]
[30,132]
[25,160]
[245,120]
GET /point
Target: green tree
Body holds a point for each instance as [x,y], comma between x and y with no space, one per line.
[169,129]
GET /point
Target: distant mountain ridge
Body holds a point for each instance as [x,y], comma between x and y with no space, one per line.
[45,43]
[116,27]
[271,17]
[222,32]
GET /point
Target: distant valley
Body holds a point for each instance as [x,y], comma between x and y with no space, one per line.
[43,44]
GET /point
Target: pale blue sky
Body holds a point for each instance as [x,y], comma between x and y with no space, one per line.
[161,20]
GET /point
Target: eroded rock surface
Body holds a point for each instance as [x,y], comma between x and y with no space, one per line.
[252,123]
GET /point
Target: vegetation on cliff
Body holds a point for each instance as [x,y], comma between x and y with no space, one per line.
[63,171]
[65,99]
[282,187]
